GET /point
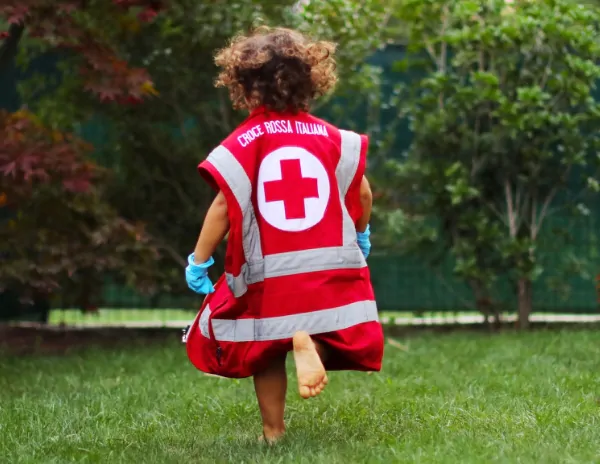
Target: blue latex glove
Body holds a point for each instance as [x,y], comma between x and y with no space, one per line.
[363,241]
[196,276]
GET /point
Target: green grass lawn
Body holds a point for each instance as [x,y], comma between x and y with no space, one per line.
[181,317]
[460,398]
[116,316]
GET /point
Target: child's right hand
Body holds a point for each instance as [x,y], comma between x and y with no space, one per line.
[196,276]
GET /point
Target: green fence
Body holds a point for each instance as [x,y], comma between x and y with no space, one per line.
[402,283]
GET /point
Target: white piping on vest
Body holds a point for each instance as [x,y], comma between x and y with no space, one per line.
[259,267]
[284,327]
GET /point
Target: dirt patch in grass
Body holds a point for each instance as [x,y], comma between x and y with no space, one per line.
[56,341]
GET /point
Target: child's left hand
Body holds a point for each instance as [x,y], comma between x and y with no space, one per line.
[196,276]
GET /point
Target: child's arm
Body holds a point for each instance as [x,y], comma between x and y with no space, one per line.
[366,201]
[216,225]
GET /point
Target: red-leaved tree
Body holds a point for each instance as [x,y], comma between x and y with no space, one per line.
[57,234]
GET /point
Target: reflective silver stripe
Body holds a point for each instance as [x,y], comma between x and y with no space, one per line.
[203,321]
[295,262]
[345,172]
[349,160]
[234,174]
[250,273]
[237,284]
[284,327]
[319,259]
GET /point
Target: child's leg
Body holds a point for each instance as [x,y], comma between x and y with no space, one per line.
[309,356]
[271,386]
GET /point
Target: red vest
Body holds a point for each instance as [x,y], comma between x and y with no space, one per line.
[292,186]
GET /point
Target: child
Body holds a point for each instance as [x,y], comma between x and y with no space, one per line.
[294,200]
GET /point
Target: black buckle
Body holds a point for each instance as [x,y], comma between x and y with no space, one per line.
[185,334]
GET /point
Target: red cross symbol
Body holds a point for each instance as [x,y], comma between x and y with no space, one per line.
[292,189]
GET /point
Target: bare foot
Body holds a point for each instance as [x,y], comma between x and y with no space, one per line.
[312,377]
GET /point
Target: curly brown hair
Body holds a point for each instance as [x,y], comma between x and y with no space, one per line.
[278,68]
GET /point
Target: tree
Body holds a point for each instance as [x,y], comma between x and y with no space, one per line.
[505,133]
[75,27]
[360,29]
[58,234]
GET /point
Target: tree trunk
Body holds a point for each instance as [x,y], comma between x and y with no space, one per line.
[483,303]
[42,307]
[8,49]
[525,302]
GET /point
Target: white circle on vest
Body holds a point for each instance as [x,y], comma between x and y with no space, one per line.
[293,189]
